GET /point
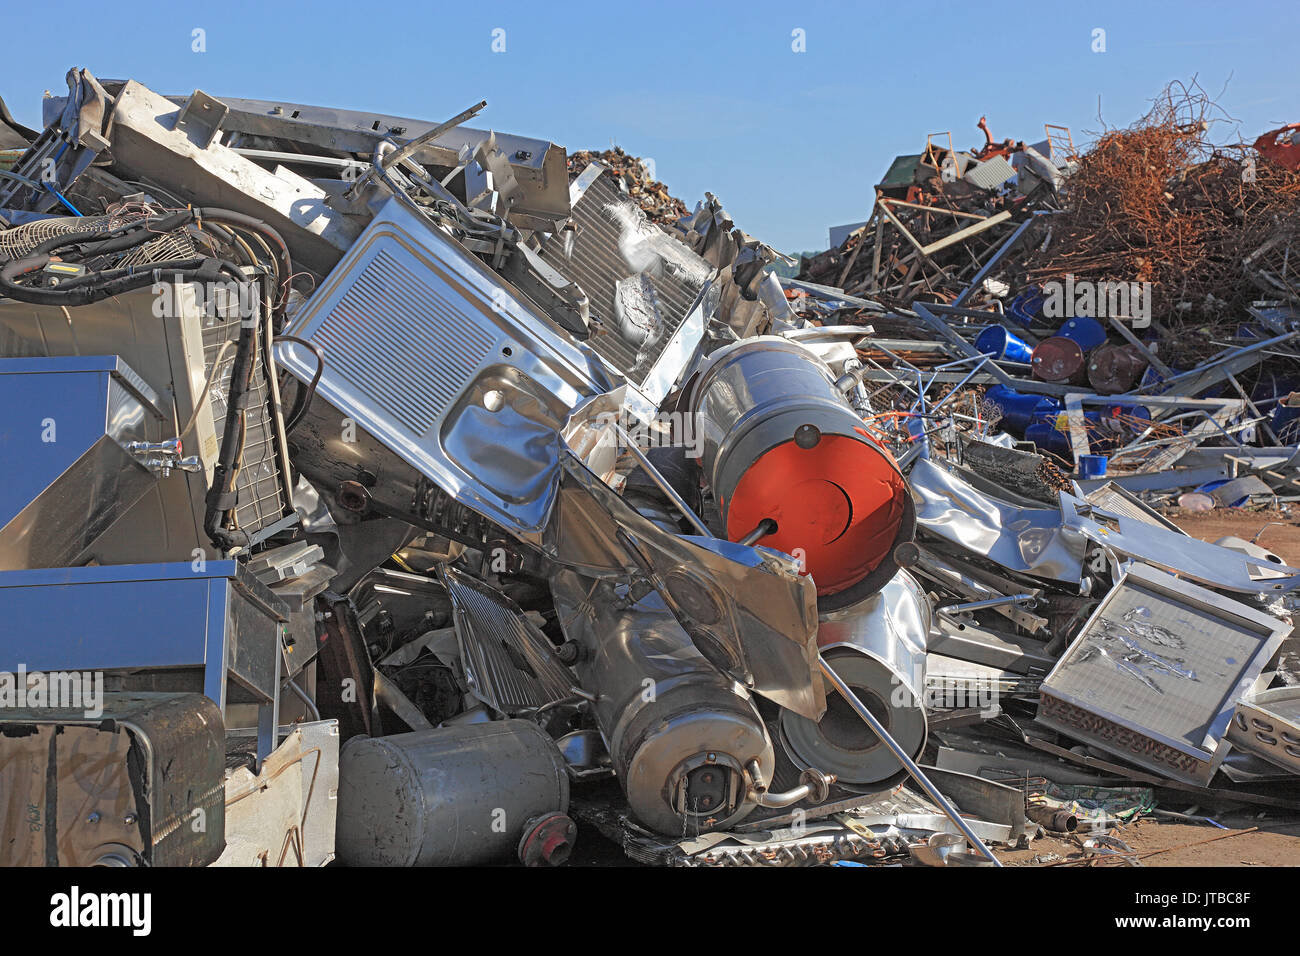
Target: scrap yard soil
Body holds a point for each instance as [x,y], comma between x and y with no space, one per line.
[1181,844]
[1278,532]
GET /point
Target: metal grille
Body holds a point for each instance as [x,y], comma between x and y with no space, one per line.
[606,221]
[259,486]
[20,240]
[509,663]
[1154,673]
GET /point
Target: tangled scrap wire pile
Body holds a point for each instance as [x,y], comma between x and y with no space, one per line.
[1211,227]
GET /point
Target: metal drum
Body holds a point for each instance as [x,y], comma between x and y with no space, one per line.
[878,648]
[454,796]
[781,445]
[1113,369]
[1059,360]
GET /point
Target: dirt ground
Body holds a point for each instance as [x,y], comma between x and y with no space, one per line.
[1278,531]
[1266,846]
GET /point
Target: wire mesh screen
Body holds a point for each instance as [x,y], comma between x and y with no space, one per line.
[19,241]
[259,484]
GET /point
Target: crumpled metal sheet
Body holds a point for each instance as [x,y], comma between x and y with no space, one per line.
[1029,540]
[747,610]
[1176,552]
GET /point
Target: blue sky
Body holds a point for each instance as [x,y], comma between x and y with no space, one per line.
[792,142]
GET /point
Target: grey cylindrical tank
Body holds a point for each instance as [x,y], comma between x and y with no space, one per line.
[452,796]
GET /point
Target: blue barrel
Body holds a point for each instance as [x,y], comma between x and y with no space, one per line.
[1003,344]
[1020,410]
[1092,466]
[1045,436]
[1085,332]
[1212,485]
[1025,307]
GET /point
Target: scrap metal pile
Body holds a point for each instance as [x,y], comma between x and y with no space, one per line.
[638,182]
[560,512]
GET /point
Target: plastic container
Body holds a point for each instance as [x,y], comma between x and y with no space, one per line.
[1047,438]
[1026,307]
[1020,410]
[1054,435]
[1092,466]
[1087,332]
[1003,344]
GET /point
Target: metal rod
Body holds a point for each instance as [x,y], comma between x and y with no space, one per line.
[908,764]
[761,530]
[400,154]
[659,480]
[951,609]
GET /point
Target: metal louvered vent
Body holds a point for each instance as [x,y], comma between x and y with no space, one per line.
[641,283]
[509,663]
[412,312]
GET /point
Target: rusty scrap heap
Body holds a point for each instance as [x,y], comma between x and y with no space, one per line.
[442,498]
[636,178]
[1210,227]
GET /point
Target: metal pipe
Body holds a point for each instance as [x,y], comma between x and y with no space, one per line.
[762,530]
[908,764]
[949,610]
[815,786]
[1056,819]
[302,695]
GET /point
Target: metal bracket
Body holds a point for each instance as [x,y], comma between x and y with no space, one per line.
[201,118]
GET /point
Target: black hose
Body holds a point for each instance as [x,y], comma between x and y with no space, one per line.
[222,496]
[231,217]
[84,290]
[131,234]
[303,400]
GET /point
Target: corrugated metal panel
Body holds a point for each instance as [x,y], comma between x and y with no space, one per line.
[1113,498]
[990,174]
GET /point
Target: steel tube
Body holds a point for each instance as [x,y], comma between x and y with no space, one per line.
[908,764]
